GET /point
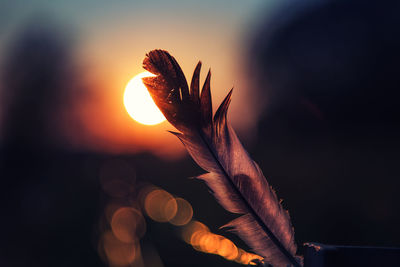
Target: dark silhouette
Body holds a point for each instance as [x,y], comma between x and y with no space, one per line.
[329,138]
[48,194]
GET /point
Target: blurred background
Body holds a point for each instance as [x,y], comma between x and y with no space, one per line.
[315,102]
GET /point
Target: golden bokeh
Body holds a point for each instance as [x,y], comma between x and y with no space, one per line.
[163,207]
[196,239]
[209,242]
[191,228]
[160,205]
[128,224]
[227,249]
[110,209]
[144,191]
[118,253]
[184,213]
[199,236]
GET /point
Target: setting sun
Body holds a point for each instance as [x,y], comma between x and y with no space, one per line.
[138,102]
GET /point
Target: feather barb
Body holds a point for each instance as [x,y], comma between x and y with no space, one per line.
[234,178]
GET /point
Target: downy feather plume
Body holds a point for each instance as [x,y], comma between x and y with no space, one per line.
[234,178]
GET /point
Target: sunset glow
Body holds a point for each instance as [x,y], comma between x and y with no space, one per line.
[139,104]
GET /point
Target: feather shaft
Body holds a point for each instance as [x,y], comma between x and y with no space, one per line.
[270,234]
[235,179]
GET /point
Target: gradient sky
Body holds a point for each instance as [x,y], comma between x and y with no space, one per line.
[112,38]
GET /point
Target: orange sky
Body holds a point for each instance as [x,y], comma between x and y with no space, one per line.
[112,41]
[110,126]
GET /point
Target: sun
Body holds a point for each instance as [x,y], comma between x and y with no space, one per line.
[138,102]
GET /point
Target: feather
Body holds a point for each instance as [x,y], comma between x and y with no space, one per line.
[235,179]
